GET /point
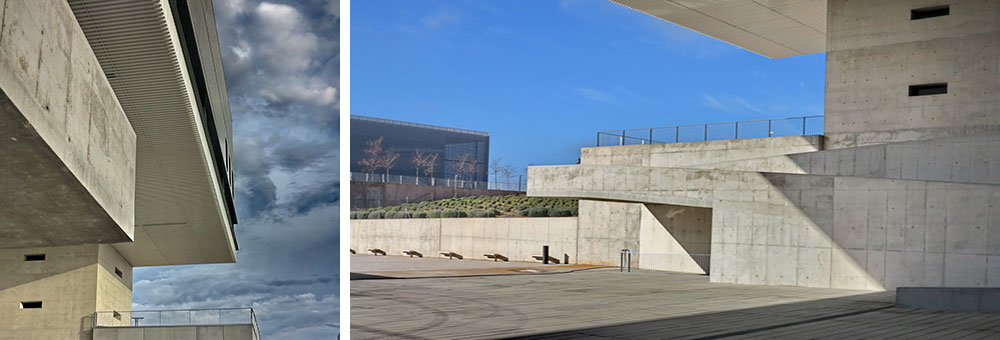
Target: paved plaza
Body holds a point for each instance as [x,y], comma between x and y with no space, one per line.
[603,303]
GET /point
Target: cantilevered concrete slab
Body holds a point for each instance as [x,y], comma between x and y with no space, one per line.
[161,58]
[67,175]
[772,28]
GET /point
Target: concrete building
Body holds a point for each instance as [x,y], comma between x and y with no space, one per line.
[115,153]
[901,189]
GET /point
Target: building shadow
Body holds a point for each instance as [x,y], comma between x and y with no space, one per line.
[739,322]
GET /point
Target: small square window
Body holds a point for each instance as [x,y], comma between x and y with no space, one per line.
[929,12]
[31,304]
[118,272]
[117,315]
[34,257]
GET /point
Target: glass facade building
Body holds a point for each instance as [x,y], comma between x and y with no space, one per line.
[461,154]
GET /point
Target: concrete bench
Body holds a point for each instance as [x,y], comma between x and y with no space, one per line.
[377,252]
[413,253]
[452,255]
[495,256]
[551,259]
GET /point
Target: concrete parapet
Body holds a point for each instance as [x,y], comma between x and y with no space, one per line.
[517,238]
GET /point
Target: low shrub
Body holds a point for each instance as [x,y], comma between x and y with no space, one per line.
[452,213]
[482,213]
[434,214]
[560,212]
[375,215]
[538,212]
[420,214]
[354,215]
[400,214]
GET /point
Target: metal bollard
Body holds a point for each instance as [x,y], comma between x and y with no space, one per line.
[565,258]
[545,254]
[626,260]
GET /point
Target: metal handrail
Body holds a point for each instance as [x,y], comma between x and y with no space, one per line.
[625,139]
[132,321]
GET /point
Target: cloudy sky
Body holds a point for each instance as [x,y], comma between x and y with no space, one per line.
[282,70]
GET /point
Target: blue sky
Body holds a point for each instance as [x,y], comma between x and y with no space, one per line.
[282,64]
[544,76]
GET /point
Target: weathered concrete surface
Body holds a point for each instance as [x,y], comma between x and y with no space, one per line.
[516,237]
[638,305]
[983,300]
[226,332]
[72,283]
[389,194]
[874,52]
[68,149]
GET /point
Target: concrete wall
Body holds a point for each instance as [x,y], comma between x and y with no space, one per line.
[388,194]
[68,148]
[229,332]
[517,238]
[675,238]
[691,153]
[605,229]
[817,231]
[72,283]
[874,52]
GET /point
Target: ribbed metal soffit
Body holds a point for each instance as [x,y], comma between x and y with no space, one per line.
[174,185]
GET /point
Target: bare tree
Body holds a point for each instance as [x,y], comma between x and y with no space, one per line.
[387,161]
[431,164]
[507,171]
[496,168]
[373,154]
[423,161]
[467,165]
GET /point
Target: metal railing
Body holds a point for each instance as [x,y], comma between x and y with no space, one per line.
[439,182]
[186,317]
[778,127]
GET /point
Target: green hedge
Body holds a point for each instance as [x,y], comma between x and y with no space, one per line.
[560,212]
[452,213]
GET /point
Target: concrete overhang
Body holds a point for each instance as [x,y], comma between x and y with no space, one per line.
[162,60]
[772,28]
[67,150]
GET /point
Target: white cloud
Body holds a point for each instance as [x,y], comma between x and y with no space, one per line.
[595,95]
[440,18]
